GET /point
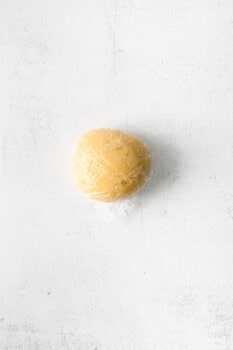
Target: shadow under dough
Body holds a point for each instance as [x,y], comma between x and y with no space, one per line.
[165,166]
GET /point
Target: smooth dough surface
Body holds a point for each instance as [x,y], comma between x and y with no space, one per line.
[110,165]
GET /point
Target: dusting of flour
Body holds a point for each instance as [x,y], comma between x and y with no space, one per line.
[115,210]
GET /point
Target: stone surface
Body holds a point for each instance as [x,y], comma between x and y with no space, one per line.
[161,276]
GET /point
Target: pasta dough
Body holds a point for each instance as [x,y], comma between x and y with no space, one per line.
[109,165]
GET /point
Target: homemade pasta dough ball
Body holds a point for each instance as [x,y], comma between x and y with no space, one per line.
[109,165]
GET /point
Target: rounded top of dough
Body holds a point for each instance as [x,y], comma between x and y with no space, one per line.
[110,165]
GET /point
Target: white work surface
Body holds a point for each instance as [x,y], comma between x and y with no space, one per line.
[160,278]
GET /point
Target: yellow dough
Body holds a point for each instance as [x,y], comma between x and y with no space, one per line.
[109,165]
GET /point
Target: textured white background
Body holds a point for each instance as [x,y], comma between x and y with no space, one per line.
[161,278]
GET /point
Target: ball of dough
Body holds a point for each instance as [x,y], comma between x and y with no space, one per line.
[109,165]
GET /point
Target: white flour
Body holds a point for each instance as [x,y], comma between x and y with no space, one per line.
[115,210]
